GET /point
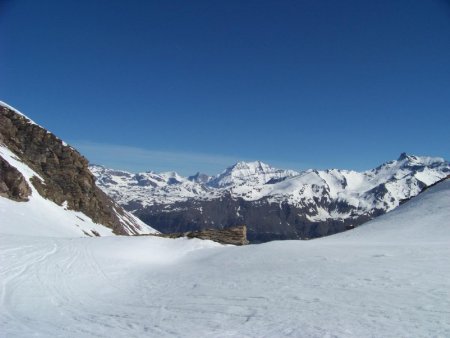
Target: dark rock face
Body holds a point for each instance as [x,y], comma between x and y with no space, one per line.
[199,178]
[233,235]
[12,183]
[265,221]
[65,172]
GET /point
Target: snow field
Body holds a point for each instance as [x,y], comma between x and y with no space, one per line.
[388,278]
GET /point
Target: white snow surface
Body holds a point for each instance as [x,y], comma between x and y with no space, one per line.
[42,217]
[387,278]
[252,181]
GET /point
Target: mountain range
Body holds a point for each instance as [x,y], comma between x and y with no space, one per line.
[52,181]
[273,203]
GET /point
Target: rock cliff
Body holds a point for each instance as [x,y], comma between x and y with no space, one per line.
[12,183]
[64,174]
[236,235]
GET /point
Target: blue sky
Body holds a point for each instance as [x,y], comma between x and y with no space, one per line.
[198,85]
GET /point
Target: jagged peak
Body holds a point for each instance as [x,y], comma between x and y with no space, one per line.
[403,156]
[256,165]
[425,160]
[410,163]
[408,157]
[250,173]
[245,169]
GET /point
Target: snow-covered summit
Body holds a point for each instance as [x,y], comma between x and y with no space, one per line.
[408,158]
[249,173]
[168,187]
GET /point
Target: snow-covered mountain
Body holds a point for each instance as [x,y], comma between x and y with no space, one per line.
[273,203]
[249,174]
[146,188]
[46,187]
[242,179]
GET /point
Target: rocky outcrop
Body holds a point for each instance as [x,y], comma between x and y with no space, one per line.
[236,235]
[65,173]
[12,183]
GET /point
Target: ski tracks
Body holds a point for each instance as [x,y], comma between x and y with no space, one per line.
[17,265]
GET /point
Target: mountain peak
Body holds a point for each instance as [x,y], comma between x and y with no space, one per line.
[403,156]
[249,173]
[244,169]
[253,165]
[419,160]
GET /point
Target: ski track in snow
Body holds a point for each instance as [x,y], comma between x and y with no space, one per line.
[69,287]
[375,281]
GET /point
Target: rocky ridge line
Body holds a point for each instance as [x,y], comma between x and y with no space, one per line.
[65,173]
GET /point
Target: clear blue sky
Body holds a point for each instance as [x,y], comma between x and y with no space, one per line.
[198,85]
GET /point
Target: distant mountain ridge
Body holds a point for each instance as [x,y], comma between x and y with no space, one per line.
[273,203]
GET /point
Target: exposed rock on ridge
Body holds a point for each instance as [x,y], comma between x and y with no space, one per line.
[65,173]
[233,235]
[12,183]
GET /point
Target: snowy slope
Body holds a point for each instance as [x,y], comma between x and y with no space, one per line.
[389,278]
[39,216]
[423,219]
